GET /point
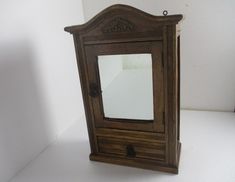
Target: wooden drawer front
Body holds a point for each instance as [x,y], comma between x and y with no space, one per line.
[131,148]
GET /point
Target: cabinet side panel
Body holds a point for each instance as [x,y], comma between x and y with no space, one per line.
[178,86]
[171,95]
[84,87]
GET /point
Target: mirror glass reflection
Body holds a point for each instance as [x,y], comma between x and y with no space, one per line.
[126,84]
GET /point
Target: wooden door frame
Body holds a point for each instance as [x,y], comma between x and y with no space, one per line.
[156,50]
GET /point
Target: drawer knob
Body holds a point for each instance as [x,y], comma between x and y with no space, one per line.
[130,151]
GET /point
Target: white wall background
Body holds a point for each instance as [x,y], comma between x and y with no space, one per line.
[40,93]
[207,47]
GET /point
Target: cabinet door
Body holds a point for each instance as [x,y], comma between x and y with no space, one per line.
[126,85]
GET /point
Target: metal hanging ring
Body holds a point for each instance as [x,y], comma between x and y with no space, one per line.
[165,12]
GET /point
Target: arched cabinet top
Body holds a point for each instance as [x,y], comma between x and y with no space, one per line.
[119,18]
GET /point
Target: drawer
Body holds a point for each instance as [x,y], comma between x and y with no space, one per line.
[132,148]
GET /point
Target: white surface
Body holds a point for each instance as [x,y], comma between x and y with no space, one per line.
[207,47]
[207,155]
[40,94]
[130,95]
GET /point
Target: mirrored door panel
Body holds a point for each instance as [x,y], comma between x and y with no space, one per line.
[127,86]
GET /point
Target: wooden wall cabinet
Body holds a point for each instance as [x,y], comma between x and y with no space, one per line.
[136,122]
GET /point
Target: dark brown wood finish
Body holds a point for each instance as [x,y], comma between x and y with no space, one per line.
[120,29]
[153,47]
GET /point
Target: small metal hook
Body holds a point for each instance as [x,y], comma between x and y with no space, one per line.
[165,12]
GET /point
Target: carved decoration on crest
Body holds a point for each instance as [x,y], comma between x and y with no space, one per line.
[118,25]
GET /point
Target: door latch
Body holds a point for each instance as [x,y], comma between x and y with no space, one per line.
[94,90]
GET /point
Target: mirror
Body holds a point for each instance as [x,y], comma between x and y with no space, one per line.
[127,86]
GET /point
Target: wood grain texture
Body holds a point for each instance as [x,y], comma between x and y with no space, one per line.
[120,9]
[121,29]
[139,163]
[153,47]
[144,150]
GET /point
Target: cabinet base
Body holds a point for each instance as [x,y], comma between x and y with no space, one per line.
[139,163]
